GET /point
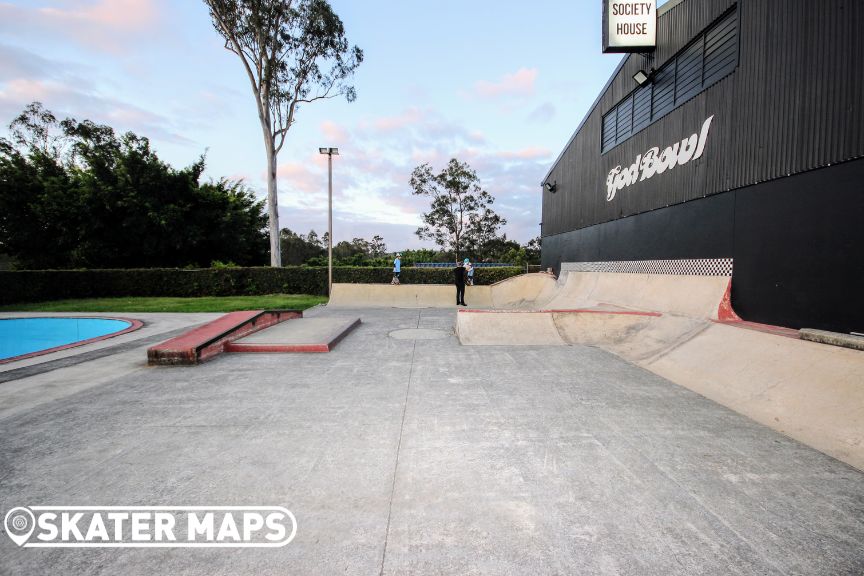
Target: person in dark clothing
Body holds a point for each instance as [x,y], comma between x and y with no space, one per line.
[459,277]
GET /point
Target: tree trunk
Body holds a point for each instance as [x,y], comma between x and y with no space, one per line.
[273,206]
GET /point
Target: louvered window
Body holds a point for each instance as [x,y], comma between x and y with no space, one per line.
[642,107]
[664,91]
[688,80]
[721,49]
[708,58]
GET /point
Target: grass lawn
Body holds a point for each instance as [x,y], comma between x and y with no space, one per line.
[204,304]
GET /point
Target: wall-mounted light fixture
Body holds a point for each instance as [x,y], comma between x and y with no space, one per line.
[641,77]
[551,186]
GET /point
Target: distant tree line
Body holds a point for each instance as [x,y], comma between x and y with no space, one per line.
[311,250]
[77,195]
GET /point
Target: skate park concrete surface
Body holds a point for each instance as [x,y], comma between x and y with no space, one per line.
[680,327]
[403,451]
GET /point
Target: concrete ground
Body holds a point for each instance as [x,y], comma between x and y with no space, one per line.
[421,456]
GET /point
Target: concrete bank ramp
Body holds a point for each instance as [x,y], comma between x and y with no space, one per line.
[519,292]
[697,296]
[809,391]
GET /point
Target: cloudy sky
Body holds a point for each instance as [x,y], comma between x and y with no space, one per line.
[501,85]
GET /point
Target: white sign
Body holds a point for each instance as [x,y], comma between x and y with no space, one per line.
[629,25]
[656,162]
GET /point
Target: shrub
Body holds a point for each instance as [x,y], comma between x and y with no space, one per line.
[39,285]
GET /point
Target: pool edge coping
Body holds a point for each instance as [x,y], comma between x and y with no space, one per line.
[134,325]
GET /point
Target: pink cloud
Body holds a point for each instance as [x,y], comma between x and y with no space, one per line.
[530,153]
[113,26]
[302,183]
[410,117]
[427,155]
[125,14]
[520,83]
[333,133]
[27,90]
[64,99]
[299,175]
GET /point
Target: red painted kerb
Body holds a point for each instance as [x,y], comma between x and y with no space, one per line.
[134,325]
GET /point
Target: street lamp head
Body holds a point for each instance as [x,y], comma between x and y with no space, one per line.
[329,151]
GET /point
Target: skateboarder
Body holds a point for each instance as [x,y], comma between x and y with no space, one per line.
[459,279]
[397,268]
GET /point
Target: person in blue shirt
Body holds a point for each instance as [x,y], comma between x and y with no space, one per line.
[397,268]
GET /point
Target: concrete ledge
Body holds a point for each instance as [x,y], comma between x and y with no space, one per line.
[202,343]
[298,337]
[832,338]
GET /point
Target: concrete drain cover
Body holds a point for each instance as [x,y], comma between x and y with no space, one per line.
[419,334]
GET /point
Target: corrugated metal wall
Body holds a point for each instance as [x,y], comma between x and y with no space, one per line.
[793,104]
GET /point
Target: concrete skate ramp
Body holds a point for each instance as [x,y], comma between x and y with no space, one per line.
[641,314]
[684,329]
[696,296]
[809,391]
[518,292]
[692,296]
[546,327]
[528,291]
[510,328]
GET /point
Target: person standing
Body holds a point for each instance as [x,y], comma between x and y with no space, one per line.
[459,279]
[397,268]
[469,272]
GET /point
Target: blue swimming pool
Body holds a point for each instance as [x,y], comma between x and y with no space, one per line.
[20,336]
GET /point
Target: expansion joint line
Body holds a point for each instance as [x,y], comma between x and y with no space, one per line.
[398,450]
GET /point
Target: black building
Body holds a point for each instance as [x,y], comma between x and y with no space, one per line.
[745,143]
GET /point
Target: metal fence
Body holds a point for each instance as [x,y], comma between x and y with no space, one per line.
[451,264]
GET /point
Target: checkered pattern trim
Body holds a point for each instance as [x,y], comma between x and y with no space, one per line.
[707,267]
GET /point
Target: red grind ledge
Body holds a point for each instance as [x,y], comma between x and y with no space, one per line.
[209,340]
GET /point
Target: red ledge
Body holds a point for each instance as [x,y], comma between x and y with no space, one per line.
[563,311]
[135,325]
[209,340]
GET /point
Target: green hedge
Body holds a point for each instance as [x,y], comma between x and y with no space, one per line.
[39,285]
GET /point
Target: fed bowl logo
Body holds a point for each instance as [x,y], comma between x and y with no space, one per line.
[150,526]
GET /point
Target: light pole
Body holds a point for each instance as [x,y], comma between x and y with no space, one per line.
[329,152]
